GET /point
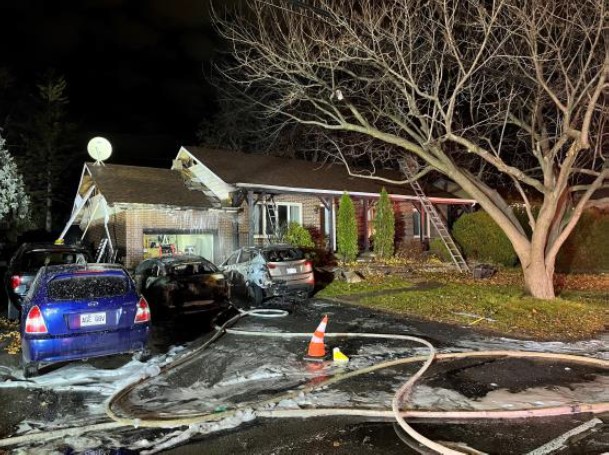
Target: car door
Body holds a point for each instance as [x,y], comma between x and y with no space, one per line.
[229,269]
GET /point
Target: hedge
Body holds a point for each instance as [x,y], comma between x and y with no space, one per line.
[481,239]
[587,248]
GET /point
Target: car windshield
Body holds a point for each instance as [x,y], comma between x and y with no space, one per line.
[87,287]
[33,260]
[193,268]
[283,255]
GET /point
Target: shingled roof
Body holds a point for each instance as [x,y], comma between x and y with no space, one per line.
[145,185]
[265,170]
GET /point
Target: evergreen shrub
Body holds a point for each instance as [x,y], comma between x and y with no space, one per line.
[586,250]
[439,250]
[481,239]
[346,229]
[299,236]
[384,227]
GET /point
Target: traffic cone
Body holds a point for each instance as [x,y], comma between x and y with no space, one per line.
[317,349]
[339,357]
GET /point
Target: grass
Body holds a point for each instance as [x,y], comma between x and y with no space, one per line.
[496,305]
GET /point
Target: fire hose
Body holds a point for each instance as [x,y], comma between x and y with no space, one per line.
[399,400]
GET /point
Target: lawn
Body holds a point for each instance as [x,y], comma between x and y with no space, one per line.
[497,304]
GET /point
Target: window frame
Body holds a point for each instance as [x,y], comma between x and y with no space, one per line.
[417,225]
[263,215]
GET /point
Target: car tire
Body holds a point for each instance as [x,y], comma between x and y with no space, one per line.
[30,369]
[12,312]
[255,294]
[142,355]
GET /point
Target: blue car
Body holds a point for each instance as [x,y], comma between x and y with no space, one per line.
[79,311]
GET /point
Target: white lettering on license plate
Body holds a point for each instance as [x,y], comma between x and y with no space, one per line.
[291,270]
[90,319]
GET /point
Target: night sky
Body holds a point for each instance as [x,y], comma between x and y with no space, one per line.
[135,68]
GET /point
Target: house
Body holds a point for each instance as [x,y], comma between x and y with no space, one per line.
[144,212]
[212,201]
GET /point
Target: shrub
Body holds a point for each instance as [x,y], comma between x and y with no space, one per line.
[411,249]
[481,239]
[318,237]
[586,249]
[297,235]
[439,250]
[384,227]
[346,229]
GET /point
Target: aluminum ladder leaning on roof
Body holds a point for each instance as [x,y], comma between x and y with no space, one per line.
[272,219]
[436,219]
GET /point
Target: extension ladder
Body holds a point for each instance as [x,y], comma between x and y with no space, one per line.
[101,249]
[437,221]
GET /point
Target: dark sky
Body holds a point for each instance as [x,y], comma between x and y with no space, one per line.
[135,68]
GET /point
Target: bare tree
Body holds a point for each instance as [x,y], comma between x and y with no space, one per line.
[514,89]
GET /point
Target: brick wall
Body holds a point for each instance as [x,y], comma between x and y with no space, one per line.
[310,214]
[311,206]
[127,226]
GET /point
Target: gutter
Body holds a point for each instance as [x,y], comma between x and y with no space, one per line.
[398,197]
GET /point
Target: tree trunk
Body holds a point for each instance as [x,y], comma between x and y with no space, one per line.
[539,279]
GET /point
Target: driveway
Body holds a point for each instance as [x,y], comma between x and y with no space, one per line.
[239,368]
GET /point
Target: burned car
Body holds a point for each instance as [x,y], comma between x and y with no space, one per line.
[180,284]
[26,262]
[257,273]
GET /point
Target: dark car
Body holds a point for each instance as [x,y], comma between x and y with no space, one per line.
[26,262]
[180,284]
[258,273]
[79,311]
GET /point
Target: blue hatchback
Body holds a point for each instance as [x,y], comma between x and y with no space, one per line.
[78,311]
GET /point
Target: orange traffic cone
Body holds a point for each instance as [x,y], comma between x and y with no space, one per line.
[317,349]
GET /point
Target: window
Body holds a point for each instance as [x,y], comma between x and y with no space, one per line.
[166,243]
[89,287]
[416,225]
[232,259]
[284,214]
[246,255]
[283,255]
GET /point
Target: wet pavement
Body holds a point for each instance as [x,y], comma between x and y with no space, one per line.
[239,369]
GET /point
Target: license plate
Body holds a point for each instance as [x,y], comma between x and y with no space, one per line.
[89,319]
[291,270]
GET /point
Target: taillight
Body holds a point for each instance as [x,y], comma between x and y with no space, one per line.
[143,311]
[271,266]
[34,323]
[15,282]
[308,266]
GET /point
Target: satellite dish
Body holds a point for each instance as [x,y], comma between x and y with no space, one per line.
[99,149]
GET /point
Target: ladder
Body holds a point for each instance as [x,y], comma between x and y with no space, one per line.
[101,249]
[437,221]
[272,220]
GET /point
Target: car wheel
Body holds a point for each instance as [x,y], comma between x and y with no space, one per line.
[254,294]
[30,369]
[12,312]
[142,355]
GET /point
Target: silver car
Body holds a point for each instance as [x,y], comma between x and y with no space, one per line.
[257,273]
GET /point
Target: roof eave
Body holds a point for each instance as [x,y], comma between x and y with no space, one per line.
[317,192]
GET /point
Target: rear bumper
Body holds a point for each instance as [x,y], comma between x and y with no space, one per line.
[303,288]
[80,346]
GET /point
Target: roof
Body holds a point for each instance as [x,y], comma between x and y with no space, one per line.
[255,170]
[145,185]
